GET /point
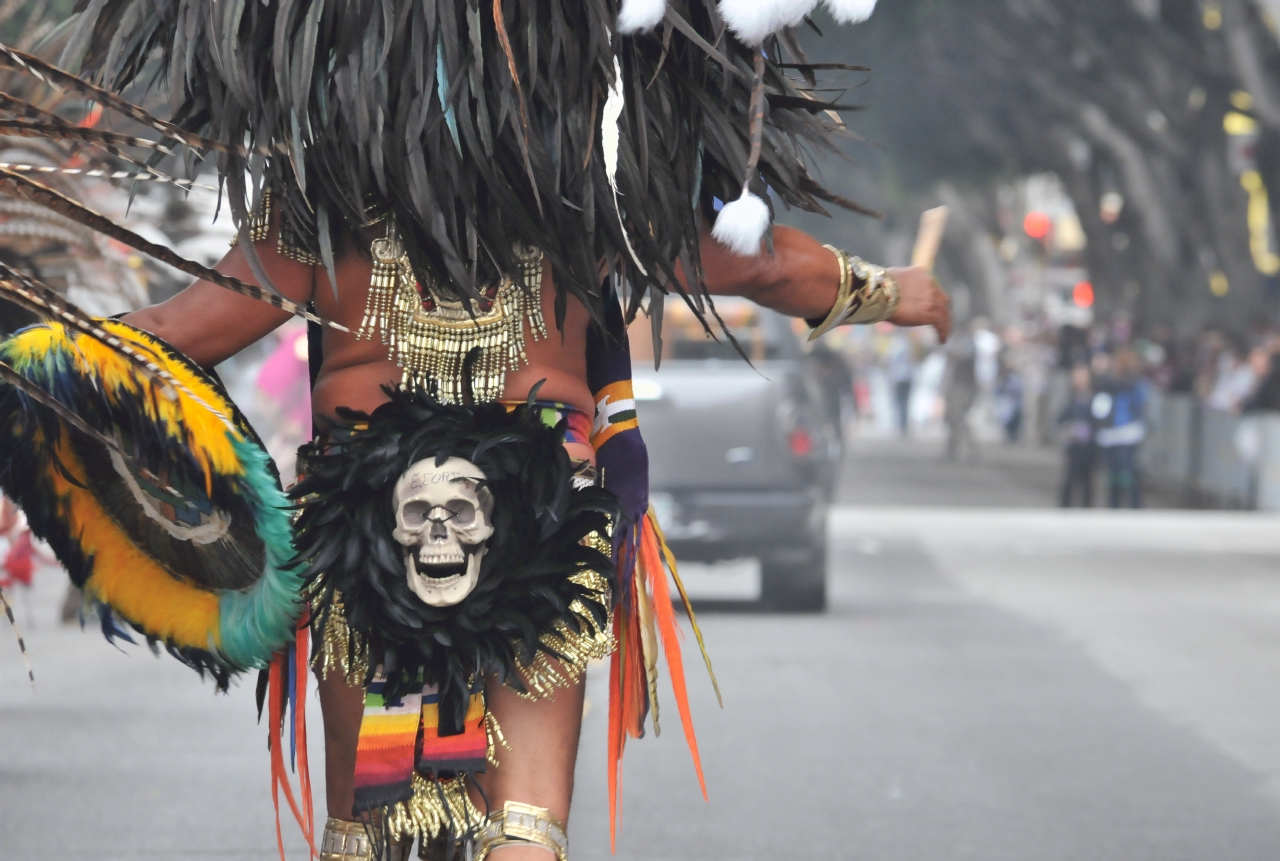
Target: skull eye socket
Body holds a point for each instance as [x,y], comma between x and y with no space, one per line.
[464,513]
[415,514]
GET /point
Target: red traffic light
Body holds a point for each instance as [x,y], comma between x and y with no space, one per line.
[1037,225]
[1082,294]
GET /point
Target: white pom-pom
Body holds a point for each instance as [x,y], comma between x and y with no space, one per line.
[851,11]
[640,16]
[741,225]
[752,21]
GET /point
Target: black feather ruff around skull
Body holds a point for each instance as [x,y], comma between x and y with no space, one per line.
[526,584]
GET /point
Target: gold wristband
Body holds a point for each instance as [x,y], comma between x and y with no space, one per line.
[867,294]
[518,823]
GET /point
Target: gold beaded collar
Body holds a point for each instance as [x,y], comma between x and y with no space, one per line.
[429,336]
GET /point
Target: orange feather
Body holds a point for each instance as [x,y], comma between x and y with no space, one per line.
[655,574]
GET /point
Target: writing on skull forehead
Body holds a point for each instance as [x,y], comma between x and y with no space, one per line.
[418,480]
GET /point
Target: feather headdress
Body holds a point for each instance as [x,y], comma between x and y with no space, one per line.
[478,125]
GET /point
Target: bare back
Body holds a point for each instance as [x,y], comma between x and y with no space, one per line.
[209,324]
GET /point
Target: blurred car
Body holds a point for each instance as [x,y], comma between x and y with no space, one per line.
[743,457]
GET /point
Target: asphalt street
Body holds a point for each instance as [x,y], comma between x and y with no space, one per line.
[994,679]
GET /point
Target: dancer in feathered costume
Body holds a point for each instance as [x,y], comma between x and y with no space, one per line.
[468,200]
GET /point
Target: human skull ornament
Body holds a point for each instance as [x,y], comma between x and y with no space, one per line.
[443,522]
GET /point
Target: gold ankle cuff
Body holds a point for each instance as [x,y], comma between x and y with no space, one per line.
[349,841]
[345,841]
[518,823]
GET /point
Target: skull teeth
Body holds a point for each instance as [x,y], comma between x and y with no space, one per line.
[442,558]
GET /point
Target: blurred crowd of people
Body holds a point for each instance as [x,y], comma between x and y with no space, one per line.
[1085,390]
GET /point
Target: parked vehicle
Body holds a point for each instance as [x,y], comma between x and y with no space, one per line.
[743,457]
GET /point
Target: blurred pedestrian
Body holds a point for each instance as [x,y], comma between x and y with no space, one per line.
[960,390]
[1238,378]
[900,371]
[1119,407]
[1076,426]
[1009,395]
[1266,397]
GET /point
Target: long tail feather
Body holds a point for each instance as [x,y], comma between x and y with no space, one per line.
[670,559]
[276,698]
[647,623]
[59,79]
[617,737]
[26,110]
[22,646]
[656,576]
[60,131]
[302,652]
[54,200]
[111,175]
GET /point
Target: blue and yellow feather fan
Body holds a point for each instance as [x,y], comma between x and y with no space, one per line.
[152,490]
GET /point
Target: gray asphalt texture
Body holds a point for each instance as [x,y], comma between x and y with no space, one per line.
[994,679]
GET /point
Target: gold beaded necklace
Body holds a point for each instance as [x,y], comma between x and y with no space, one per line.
[429,335]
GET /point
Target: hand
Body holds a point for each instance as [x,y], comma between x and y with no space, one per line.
[921,301]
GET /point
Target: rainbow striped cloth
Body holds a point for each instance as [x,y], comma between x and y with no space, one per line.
[399,736]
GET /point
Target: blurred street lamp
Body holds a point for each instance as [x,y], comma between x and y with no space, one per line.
[1110,207]
[1212,16]
[1259,219]
[1239,125]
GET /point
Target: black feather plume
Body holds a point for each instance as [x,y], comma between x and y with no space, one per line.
[344,536]
[477,125]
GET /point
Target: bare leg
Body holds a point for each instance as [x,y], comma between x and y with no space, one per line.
[343,709]
[538,769]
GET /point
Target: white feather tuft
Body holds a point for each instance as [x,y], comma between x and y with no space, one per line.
[851,11]
[752,21]
[610,139]
[741,225]
[640,16]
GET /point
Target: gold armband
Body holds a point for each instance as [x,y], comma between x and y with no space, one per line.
[867,294]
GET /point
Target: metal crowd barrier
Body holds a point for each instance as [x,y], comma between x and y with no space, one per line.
[1211,459]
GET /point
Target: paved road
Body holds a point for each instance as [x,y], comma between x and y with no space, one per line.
[885,471]
[990,683]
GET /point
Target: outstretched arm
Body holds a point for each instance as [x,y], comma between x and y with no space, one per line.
[209,324]
[801,278]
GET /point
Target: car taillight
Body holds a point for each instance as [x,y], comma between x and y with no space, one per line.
[801,442]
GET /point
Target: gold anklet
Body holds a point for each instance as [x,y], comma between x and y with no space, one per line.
[519,823]
[345,841]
